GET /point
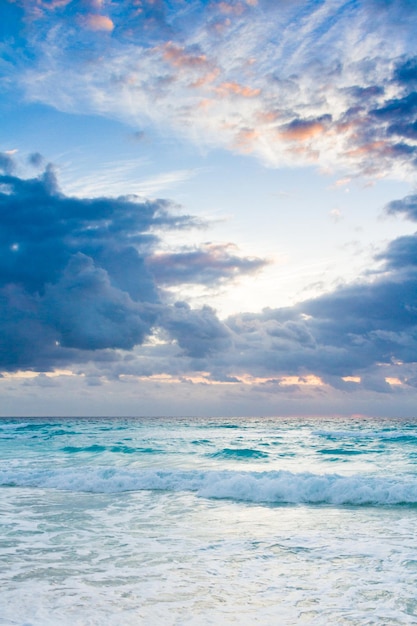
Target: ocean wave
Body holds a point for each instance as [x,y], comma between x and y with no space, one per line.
[341,451]
[117,448]
[240,454]
[13,425]
[400,436]
[74,449]
[274,487]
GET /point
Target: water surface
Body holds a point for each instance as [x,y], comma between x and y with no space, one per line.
[207,521]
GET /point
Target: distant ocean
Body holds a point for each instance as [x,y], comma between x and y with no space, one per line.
[189,521]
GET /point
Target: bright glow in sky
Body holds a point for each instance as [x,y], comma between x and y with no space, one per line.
[208,207]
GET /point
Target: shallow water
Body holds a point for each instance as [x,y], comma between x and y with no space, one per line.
[207,521]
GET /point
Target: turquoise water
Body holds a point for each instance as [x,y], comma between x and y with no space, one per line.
[207,521]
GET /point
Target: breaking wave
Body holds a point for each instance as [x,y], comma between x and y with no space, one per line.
[274,487]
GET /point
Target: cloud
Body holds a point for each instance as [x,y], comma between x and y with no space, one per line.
[37,7]
[198,332]
[406,72]
[97,22]
[302,130]
[359,337]
[209,264]
[7,164]
[362,330]
[232,88]
[89,313]
[80,278]
[81,288]
[401,253]
[316,74]
[407,206]
[35,159]
[400,113]
[179,57]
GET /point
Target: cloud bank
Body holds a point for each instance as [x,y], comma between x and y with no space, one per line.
[82,283]
[83,276]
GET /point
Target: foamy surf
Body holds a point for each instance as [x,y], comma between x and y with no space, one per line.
[279,487]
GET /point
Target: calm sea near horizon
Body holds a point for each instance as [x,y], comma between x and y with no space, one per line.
[172,521]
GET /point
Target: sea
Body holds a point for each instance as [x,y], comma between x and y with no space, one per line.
[189,521]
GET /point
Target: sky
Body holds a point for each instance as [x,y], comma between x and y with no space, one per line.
[208,207]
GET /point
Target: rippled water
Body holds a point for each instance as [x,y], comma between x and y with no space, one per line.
[207,521]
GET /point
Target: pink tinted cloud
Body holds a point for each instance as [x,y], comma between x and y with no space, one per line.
[236,89]
[178,57]
[228,8]
[302,131]
[97,22]
[51,4]
[245,139]
[206,79]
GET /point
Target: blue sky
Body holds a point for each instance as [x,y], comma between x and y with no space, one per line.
[208,207]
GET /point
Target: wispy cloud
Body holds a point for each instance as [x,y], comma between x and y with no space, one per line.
[160,183]
[121,177]
[302,82]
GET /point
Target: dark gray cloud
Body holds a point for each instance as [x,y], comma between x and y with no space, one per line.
[7,164]
[393,118]
[89,313]
[36,159]
[366,93]
[404,130]
[80,281]
[366,324]
[406,72]
[199,333]
[41,229]
[401,253]
[398,108]
[366,330]
[407,206]
[209,264]
[353,331]
[76,282]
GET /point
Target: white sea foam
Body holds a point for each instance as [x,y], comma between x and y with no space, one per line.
[274,487]
[13,425]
